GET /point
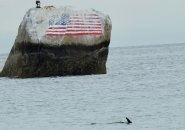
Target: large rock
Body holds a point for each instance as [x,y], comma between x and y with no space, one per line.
[60,41]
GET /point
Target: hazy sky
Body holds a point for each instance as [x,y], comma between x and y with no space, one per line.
[135,22]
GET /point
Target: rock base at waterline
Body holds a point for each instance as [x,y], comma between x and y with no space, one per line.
[39,60]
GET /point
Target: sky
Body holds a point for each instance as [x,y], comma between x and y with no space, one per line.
[134,22]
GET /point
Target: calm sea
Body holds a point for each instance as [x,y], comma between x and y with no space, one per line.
[146,84]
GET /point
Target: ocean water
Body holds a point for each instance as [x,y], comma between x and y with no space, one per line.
[146,84]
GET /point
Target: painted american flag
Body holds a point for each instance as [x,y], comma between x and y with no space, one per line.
[76,25]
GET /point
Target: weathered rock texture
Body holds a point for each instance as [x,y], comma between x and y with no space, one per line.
[36,54]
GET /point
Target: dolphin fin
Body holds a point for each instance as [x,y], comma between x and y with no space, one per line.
[128,120]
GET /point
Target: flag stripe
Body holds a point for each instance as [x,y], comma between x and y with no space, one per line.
[85,20]
[76,32]
[84,23]
[70,29]
[74,26]
[79,34]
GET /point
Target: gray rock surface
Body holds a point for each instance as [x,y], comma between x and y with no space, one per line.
[47,45]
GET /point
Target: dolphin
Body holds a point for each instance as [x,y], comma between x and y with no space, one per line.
[128,122]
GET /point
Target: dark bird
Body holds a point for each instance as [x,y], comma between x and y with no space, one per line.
[38,3]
